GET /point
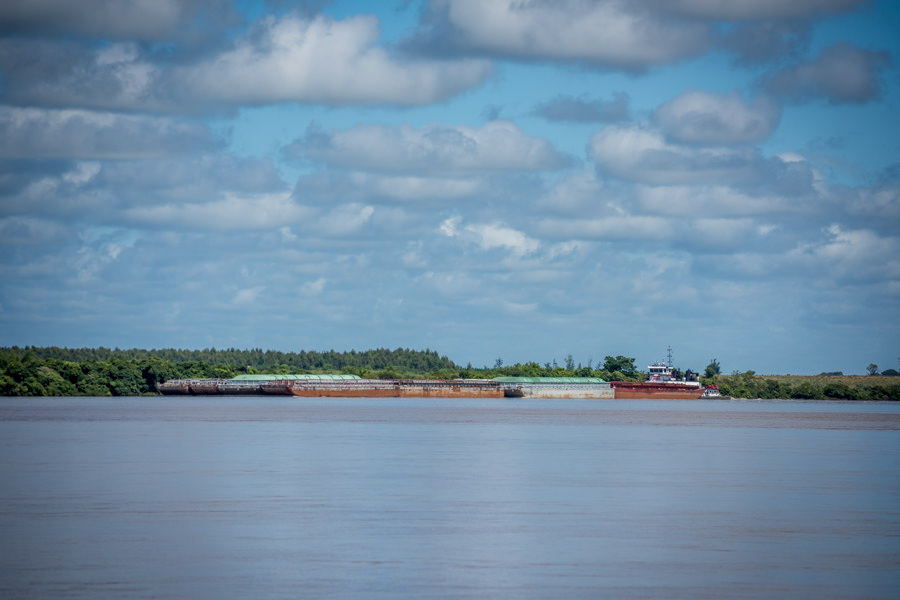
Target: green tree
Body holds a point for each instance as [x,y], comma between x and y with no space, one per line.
[872,369]
[713,368]
[622,364]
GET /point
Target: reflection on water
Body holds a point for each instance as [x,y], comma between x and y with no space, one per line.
[282,497]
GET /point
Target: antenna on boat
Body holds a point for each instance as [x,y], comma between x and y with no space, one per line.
[669,357]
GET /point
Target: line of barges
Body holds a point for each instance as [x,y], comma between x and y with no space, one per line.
[663,382]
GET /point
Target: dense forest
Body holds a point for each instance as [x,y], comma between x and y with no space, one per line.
[34,371]
[37,371]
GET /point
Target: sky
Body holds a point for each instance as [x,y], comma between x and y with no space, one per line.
[520,180]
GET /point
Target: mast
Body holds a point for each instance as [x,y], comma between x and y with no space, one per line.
[669,357]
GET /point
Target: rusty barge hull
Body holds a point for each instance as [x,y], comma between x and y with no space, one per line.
[190,387]
[396,388]
[588,391]
[669,391]
[221,387]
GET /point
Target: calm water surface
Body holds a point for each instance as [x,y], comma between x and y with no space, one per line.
[268,497]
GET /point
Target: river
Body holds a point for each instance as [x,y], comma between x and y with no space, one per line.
[278,497]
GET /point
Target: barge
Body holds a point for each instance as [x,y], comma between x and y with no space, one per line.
[398,388]
[555,387]
[663,381]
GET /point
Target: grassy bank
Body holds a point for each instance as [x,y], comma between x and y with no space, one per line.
[809,387]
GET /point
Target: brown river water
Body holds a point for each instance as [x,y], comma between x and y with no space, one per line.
[271,497]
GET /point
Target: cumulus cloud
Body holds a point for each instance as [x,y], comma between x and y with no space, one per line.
[489,236]
[722,201]
[415,189]
[147,20]
[343,220]
[604,34]
[230,213]
[642,154]
[102,188]
[581,109]
[612,34]
[576,194]
[39,133]
[430,150]
[291,59]
[713,119]
[247,296]
[321,60]
[841,74]
[857,255]
[67,74]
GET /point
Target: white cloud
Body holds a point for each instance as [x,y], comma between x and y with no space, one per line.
[617,227]
[718,200]
[247,296]
[416,189]
[450,227]
[497,236]
[603,33]
[230,213]
[574,194]
[435,150]
[851,254]
[280,60]
[40,133]
[641,154]
[314,287]
[287,235]
[82,173]
[825,259]
[343,220]
[705,118]
[490,236]
[320,60]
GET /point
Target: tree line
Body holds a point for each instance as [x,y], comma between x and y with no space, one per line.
[36,371]
[256,360]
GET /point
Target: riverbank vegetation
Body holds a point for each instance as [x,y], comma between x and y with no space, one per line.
[51,371]
[805,387]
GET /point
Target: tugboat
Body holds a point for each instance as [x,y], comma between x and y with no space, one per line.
[663,381]
[712,391]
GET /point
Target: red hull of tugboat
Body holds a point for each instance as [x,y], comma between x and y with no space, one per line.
[669,391]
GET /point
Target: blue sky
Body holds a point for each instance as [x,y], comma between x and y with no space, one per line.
[486,178]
